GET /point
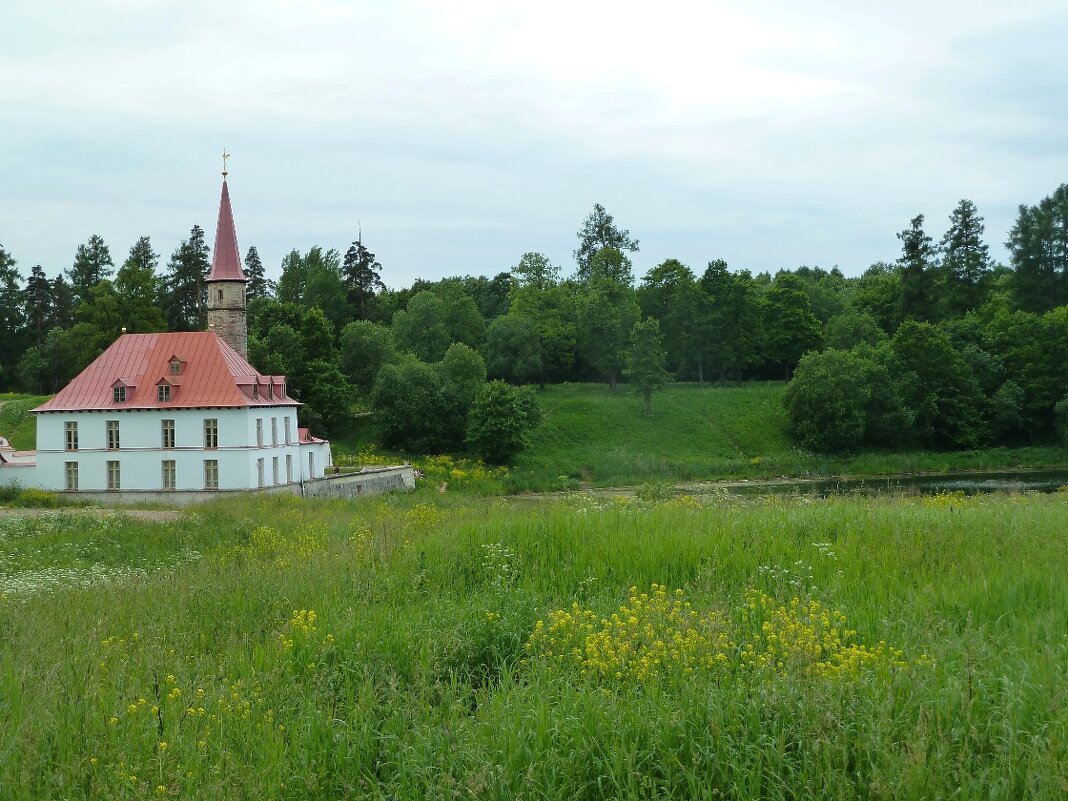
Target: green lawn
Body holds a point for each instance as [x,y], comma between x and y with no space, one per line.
[391,648]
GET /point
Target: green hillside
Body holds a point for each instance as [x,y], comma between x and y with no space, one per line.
[591,435]
[17,425]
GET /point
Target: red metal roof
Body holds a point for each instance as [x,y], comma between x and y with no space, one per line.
[212,374]
[226,261]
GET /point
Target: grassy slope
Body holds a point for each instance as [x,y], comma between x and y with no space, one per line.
[412,680]
[16,423]
[593,435]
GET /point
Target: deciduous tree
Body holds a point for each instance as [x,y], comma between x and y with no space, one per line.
[513,349]
[598,232]
[646,360]
[365,348]
[501,420]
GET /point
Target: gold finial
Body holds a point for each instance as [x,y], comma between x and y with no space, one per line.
[225,157]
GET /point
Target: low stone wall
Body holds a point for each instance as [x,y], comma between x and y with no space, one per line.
[372,481]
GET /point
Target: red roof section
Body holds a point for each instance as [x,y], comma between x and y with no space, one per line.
[306,437]
[212,374]
[226,261]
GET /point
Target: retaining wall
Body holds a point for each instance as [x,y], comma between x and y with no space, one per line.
[373,481]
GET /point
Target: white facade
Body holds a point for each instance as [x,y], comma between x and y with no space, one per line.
[251,450]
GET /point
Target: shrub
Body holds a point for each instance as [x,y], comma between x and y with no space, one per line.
[500,421]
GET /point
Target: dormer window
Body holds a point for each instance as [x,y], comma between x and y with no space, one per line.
[176,366]
[270,391]
[118,394]
[163,393]
[256,391]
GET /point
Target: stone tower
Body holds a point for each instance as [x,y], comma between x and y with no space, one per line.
[226,283]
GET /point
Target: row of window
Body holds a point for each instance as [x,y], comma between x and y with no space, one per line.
[211,433]
[163,393]
[169,473]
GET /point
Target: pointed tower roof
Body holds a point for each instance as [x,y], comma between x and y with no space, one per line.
[226,260]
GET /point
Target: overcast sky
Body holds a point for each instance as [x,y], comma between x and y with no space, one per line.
[462,134]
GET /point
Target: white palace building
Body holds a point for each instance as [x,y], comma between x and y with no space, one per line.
[180,412]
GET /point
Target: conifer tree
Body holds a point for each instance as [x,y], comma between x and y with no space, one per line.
[184,306]
[258,286]
[966,263]
[1038,244]
[11,317]
[138,289]
[916,271]
[92,264]
[61,311]
[38,308]
[362,275]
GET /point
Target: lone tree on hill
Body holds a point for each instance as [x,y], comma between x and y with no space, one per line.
[645,361]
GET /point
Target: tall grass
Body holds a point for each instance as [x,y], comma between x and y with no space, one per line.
[280,649]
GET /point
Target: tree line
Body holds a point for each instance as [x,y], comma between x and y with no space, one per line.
[943,310]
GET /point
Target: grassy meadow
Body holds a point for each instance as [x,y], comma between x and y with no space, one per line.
[442,646]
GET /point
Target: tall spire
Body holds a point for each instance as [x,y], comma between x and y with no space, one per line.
[226,260]
[226,283]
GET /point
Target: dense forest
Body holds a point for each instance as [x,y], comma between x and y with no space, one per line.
[941,347]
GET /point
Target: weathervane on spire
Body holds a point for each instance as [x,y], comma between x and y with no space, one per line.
[225,157]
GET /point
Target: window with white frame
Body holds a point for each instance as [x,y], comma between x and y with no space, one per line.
[211,474]
[167,433]
[71,431]
[113,435]
[259,432]
[167,479]
[211,433]
[113,476]
[72,476]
